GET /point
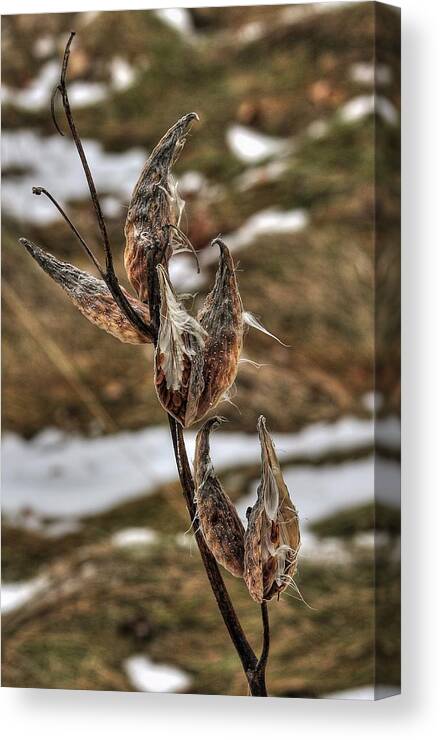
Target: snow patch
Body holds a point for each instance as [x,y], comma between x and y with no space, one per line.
[317,129]
[134,537]
[49,161]
[179,19]
[82,93]
[268,221]
[318,491]
[71,476]
[250,32]
[365,105]
[251,146]
[184,275]
[144,675]
[123,74]
[183,272]
[37,94]
[368,74]
[324,550]
[44,46]
[192,182]
[364,693]
[259,175]
[111,206]
[78,476]
[14,595]
[372,401]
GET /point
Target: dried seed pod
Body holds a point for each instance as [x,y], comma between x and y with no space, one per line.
[179,351]
[272,538]
[154,210]
[221,316]
[91,296]
[220,524]
[197,359]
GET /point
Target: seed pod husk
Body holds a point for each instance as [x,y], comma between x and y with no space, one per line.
[221,316]
[197,359]
[272,538]
[179,351]
[91,296]
[154,210]
[219,522]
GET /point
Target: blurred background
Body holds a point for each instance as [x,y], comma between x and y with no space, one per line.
[296,163]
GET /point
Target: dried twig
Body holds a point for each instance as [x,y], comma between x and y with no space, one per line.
[88,251]
[109,275]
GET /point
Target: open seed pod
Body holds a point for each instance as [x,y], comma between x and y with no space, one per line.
[153,215]
[221,316]
[220,524]
[179,352]
[91,296]
[197,359]
[272,538]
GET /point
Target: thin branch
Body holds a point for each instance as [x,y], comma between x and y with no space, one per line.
[261,666]
[52,110]
[43,191]
[109,275]
[92,188]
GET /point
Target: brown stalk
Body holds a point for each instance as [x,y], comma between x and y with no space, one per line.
[253,667]
[85,246]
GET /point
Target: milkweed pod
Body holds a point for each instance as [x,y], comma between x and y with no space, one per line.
[92,296]
[179,351]
[219,522]
[197,359]
[221,317]
[155,208]
[255,557]
[272,538]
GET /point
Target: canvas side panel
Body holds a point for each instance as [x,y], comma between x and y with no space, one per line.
[387,350]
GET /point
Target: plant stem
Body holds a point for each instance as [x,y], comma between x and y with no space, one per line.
[254,669]
[85,246]
[109,276]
